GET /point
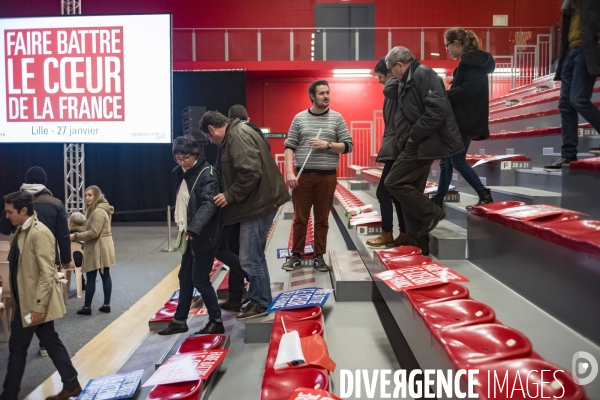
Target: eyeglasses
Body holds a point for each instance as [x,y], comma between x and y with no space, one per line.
[448,44]
[182,159]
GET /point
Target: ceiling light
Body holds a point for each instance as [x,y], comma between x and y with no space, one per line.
[338,75]
[440,70]
[435,54]
[352,71]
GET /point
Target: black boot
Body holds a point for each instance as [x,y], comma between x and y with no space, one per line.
[485,197]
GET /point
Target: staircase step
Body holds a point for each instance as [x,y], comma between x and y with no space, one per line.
[448,241]
[456,212]
[537,178]
[349,276]
[526,195]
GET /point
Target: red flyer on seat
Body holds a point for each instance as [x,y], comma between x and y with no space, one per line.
[529,212]
[187,367]
[419,276]
[312,394]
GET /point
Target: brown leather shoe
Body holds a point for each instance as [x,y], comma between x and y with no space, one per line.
[384,239]
[401,240]
[66,394]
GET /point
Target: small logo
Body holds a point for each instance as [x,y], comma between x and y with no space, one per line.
[585,368]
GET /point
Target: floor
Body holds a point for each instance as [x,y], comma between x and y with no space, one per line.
[346,324]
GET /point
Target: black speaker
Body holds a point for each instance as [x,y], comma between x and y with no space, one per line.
[190,117]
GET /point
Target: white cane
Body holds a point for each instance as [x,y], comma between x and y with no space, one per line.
[307,157]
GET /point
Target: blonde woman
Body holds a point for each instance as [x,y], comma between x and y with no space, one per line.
[98,249]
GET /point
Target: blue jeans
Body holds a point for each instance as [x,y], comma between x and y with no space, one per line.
[253,239]
[459,162]
[90,286]
[196,265]
[575,97]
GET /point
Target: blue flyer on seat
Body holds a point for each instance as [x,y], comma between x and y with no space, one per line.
[300,298]
[176,294]
[119,386]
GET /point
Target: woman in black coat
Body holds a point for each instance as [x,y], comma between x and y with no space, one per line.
[469,97]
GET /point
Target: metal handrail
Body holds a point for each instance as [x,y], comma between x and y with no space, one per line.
[359,28]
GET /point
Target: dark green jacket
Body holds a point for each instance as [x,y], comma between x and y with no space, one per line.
[252,183]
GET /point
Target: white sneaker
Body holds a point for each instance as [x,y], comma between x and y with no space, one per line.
[43,352]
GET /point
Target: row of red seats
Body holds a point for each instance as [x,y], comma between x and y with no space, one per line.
[191,390]
[166,313]
[532,132]
[473,158]
[587,164]
[554,224]
[371,175]
[529,115]
[280,384]
[346,198]
[519,91]
[535,102]
[474,339]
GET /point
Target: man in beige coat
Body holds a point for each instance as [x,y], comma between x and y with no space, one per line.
[37,298]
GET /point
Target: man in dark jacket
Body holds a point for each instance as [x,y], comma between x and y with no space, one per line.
[387,155]
[50,212]
[578,67]
[425,130]
[253,190]
[239,111]
[199,223]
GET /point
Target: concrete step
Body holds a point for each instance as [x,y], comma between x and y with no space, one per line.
[448,241]
[526,195]
[349,276]
[537,178]
[456,213]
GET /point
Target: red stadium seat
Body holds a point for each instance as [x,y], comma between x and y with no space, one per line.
[304,328]
[279,385]
[471,346]
[406,261]
[526,373]
[300,314]
[437,294]
[177,391]
[201,342]
[456,313]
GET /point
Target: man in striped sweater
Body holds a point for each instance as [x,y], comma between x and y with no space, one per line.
[316,185]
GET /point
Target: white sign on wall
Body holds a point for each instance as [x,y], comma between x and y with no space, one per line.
[86,79]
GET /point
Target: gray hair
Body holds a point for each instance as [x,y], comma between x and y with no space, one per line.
[398,54]
[77,219]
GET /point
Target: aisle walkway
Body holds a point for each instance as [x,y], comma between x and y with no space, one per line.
[140,267]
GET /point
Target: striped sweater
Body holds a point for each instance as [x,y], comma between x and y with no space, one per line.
[305,126]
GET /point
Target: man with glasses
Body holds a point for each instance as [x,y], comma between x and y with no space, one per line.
[425,131]
[253,190]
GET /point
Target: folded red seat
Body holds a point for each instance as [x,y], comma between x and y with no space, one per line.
[456,313]
[177,391]
[437,294]
[406,261]
[471,346]
[587,164]
[201,342]
[536,378]
[279,385]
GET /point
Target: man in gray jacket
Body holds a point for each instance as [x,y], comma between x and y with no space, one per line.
[425,131]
